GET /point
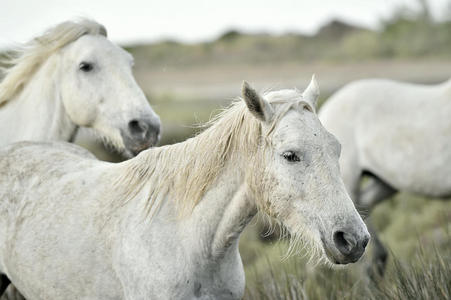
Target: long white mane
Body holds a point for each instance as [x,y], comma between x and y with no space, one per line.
[186,170]
[26,59]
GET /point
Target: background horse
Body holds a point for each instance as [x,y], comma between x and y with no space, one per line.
[399,134]
[73,76]
[166,224]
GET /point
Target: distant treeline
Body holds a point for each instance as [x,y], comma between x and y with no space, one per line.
[407,34]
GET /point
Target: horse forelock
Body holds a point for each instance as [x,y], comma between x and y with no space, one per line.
[24,60]
[185,171]
[291,97]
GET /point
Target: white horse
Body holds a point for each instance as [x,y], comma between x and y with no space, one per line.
[73,76]
[166,224]
[397,133]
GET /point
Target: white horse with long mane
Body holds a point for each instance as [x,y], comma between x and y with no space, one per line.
[73,76]
[166,224]
[399,134]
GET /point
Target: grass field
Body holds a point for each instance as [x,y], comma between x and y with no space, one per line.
[416,230]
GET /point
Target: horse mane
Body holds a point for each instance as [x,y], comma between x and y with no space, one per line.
[186,170]
[25,60]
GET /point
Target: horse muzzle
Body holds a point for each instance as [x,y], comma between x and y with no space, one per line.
[346,245]
[140,135]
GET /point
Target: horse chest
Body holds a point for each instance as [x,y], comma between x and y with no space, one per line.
[212,279]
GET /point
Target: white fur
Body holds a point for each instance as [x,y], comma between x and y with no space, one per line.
[398,132]
[45,96]
[166,224]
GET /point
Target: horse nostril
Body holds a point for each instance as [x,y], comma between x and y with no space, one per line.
[344,242]
[365,242]
[137,127]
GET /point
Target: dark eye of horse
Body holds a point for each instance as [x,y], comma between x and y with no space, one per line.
[85,66]
[290,156]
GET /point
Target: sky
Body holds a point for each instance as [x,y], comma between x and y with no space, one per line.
[140,21]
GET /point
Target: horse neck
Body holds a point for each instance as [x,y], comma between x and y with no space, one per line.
[201,246]
[213,227]
[37,112]
[225,208]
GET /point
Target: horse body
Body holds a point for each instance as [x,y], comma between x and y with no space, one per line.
[166,223]
[20,230]
[73,76]
[128,257]
[399,133]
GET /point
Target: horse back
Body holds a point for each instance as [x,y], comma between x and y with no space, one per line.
[40,184]
[399,131]
[33,166]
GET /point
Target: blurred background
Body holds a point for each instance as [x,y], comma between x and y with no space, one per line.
[190,60]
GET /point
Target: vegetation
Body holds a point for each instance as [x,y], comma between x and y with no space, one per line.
[428,278]
[417,232]
[407,34]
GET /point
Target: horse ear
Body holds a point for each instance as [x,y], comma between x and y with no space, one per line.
[258,106]
[311,93]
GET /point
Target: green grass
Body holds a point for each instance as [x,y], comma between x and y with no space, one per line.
[427,277]
[415,229]
[181,117]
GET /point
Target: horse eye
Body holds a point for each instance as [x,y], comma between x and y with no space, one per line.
[85,66]
[290,156]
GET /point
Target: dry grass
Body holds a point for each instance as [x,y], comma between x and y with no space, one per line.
[415,229]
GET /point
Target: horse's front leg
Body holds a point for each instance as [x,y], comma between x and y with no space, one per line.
[374,192]
[380,254]
[4,282]
[12,293]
